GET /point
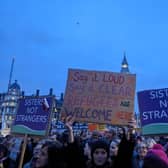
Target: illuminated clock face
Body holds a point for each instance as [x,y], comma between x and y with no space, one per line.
[124,66]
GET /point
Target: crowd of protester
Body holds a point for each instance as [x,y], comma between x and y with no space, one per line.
[112,148]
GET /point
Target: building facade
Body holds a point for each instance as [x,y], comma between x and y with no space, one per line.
[8,106]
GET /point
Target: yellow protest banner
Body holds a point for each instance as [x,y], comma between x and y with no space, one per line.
[102,127]
[99,97]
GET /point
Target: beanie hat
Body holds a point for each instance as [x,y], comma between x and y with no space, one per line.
[158,146]
[156,157]
[159,151]
[99,144]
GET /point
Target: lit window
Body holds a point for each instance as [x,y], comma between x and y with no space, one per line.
[13,98]
[12,104]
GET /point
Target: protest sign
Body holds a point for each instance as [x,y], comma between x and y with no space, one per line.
[33,115]
[153,107]
[92,126]
[99,97]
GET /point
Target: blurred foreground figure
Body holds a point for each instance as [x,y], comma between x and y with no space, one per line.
[4,160]
[156,158]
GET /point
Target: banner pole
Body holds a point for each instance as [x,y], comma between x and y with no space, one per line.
[23,151]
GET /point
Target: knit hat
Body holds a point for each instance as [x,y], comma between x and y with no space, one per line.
[99,144]
[158,146]
[156,158]
[159,151]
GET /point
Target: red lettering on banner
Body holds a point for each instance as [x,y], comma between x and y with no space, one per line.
[115,79]
[124,115]
[93,101]
[79,77]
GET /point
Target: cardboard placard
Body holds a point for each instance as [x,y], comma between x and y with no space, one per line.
[99,97]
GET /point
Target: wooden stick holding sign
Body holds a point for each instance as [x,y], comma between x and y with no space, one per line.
[23,151]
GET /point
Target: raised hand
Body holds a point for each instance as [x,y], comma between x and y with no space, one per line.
[69,120]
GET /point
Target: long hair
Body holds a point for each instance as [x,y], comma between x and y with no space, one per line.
[56,157]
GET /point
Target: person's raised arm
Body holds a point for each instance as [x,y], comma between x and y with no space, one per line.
[68,123]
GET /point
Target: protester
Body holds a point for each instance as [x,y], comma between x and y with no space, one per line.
[95,151]
[166,148]
[139,139]
[150,142]
[4,160]
[138,158]
[126,148]
[99,155]
[114,145]
[156,158]
[36,151]
[96,135]
[110,134]
[87,151]
[51,156]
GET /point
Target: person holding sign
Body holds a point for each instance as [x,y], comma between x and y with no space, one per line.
[4,160]
[54,154]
